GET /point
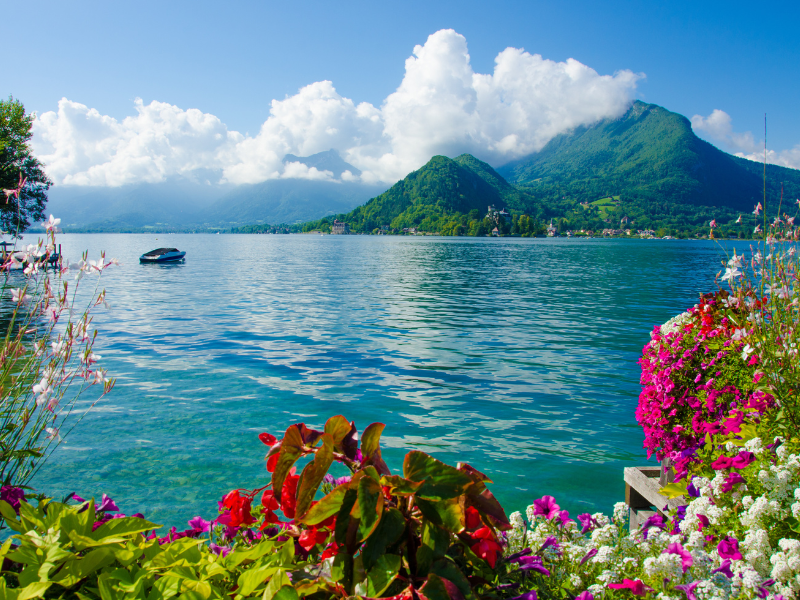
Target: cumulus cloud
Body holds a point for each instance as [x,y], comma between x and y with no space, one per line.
[441,107]
[717,127]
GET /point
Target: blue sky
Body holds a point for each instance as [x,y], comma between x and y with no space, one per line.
[230,60]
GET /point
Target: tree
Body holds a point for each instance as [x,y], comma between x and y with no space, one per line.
[19,166]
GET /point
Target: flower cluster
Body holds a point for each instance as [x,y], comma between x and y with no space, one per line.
[699,378]
[736,538]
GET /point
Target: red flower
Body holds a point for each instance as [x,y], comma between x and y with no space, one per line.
[312,537]
[267,438]
[289,496]
[272,461]
[330,552]
[239,507]
[722,463]
[486,546]
[473,518]
[268,500]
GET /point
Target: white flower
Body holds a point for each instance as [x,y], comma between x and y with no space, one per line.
[51,223]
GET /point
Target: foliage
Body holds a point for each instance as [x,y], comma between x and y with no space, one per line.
[19,170]
[47,358]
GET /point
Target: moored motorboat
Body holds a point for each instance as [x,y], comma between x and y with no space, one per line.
[162,255]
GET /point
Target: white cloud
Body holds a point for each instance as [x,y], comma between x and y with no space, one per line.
[441,107]
[717,127]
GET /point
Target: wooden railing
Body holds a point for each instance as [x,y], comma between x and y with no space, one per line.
[642,485]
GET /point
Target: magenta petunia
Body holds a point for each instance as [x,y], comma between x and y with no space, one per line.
[722,463]
[729,548]
[743,460]
[636,586]
[686,557]
[546,506]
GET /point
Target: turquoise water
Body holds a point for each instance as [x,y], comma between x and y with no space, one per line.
[517,356]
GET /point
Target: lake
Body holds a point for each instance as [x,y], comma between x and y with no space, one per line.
[518,356]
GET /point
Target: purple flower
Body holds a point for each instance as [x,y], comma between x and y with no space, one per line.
[729,548]
[507,586]
[200,524]
[12,495]
[328,478]
[654,521]
[74,496]
[692,491]
[550,541]
[563,517]
[107,505]
[526,596]
[762,589]
[686,557]
[517,555]
[533,563]
[223,550]
[688,589]
[584,596]
[725,569]
[587,521]
[546,506]
[731,480]
[589,555]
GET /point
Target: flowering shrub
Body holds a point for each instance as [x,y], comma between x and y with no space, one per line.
[46,358]
[700,378]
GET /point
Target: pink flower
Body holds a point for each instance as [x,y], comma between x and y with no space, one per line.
[731,480]
[743,460]
[546,506]
[688,589]
[722,463]
[729,548]
[636,586]
[686,557]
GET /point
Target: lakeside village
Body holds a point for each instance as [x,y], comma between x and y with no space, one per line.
[502,219]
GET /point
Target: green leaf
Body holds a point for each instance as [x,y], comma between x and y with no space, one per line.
[448,514]
[325,508]
[343,516]
[389,530]
[371,439]
[439,588]
[440,481]
[10,516]
[253,578]
[125,526]
[342,570]
[33,590]
[400,486]
[287,592]
[435,542]
[382,574]
[370,501]
[291,450]
[447,569]
[673,490]
[371,449]
[313,473]
[75,570]
[337,427]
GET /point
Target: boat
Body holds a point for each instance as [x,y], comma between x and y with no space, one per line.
[162,255]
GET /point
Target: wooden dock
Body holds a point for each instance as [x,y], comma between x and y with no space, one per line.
[642,485]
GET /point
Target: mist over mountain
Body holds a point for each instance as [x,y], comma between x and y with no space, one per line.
[182,203]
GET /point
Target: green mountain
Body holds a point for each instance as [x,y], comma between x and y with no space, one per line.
[443,194]
[663,174]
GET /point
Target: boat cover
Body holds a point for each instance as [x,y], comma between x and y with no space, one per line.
[160,251]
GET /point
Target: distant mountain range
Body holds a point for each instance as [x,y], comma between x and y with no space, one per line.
[182,204]
[646,168]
